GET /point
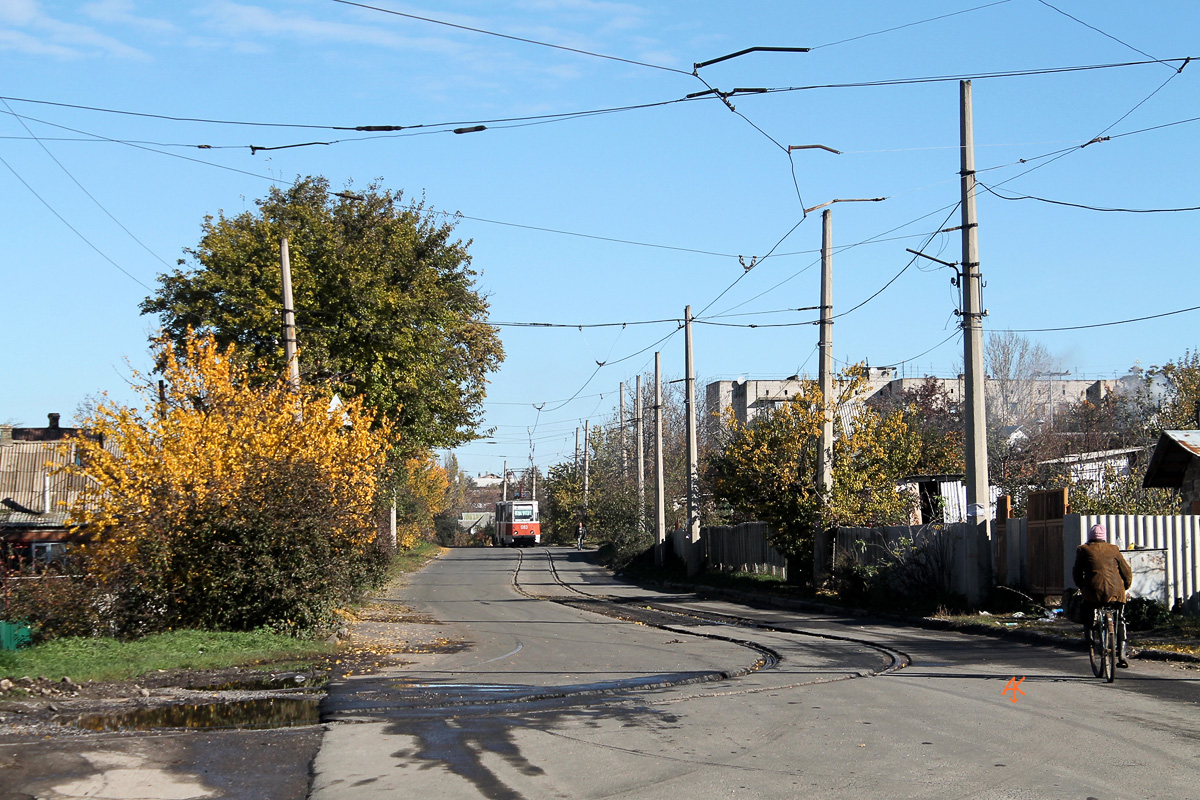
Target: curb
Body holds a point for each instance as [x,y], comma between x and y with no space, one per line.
[1021,635]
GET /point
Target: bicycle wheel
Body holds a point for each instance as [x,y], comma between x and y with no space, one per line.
[1094,651]
[1110,648]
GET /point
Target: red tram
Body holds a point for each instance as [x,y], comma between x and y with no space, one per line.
[517,524]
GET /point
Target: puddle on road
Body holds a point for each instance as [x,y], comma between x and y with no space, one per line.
[290,681]
[439,646]
[268,713]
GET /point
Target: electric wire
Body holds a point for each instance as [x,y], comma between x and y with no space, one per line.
[74,230]
[83,189]
[1101,136]
[1097,30]
[910,25]
[1016,73]
[896,277]
[1099,324]
[513,38]
[1087,207]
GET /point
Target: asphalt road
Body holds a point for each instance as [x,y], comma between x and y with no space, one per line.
[537,698]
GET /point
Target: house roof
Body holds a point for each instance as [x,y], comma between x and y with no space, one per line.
[1094,455]
[1172,455]
[32,472]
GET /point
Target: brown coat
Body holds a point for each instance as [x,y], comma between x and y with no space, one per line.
[1101,573]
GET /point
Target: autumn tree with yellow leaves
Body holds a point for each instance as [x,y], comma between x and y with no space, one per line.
[229,501]
[768,468]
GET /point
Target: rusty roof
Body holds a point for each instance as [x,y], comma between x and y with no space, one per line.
[1173,454]
[32,473]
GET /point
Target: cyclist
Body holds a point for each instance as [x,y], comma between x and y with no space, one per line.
[1102,575]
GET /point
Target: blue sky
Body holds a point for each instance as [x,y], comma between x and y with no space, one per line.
[691,189]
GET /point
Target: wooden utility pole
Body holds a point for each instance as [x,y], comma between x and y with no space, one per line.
[289,317]
[660,500]
[640,454]
[693,468]
[978,489]
[821,545]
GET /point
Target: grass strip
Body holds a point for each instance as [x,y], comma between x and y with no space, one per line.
[105,659]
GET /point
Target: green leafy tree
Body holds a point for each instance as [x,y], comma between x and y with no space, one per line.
[1182,377]
[385,303]
[769,468]
[936,434]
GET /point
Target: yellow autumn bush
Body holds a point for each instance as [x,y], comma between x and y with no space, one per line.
[228,501]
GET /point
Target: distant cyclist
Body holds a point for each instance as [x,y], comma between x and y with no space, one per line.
[1102,575]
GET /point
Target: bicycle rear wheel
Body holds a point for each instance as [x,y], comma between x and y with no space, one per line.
[1110,648]
[1094,652]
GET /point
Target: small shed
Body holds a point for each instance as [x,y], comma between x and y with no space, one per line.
[1175,464]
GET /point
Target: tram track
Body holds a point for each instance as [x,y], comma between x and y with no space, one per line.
[896,659]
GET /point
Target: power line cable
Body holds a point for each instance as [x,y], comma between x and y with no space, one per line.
[909,25]
[371,128]
[1101,136]
[1098,324]
[90,196]
[513,38]
[74,230]
[1087,207]
[957,332]
[1016,73]
[1097,30]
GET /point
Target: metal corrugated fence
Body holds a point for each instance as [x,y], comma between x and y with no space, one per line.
[1179,535]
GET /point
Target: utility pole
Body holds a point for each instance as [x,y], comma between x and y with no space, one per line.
[660,501]
[289,317]
[978,486]
[821,548]
[640,454]
[576,451]
[693,501]
[621,428]
[587,435]
[504,482]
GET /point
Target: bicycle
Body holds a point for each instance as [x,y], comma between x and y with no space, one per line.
[1106,640]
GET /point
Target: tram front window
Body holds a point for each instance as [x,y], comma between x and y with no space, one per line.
[523,513]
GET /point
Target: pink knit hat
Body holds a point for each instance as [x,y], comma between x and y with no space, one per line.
[1097,534]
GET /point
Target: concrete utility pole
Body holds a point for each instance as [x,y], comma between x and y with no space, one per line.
[504,482]
[978,488]
[577,451]
[289,317]
[621,427]
[587,435]
[640,454]
[693,476]
[821,545]
[660,500]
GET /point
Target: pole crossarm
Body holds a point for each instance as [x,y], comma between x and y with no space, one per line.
[719,59]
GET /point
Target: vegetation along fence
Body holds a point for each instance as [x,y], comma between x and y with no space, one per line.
[937,553]
[742,548]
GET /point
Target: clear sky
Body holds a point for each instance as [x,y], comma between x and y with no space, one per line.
[618,217]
